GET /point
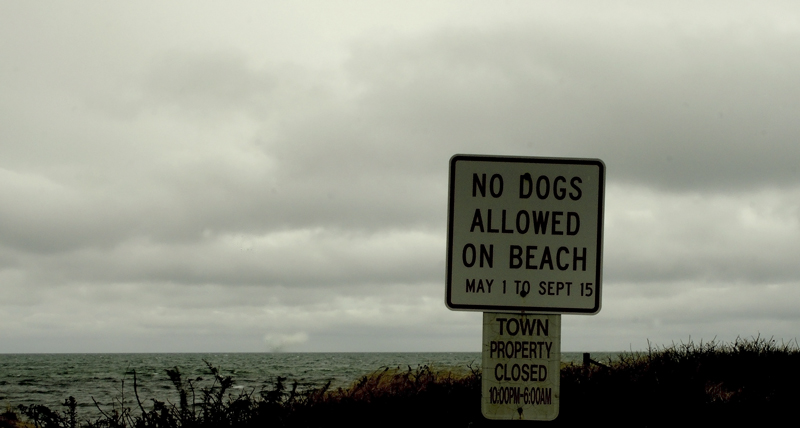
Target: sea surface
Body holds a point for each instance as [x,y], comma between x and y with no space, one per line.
[105,381]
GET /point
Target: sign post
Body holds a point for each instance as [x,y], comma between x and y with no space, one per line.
[524,245]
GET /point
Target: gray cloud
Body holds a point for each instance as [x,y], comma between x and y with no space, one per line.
[747,237]
[231,181]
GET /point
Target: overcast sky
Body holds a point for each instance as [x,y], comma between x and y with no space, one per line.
[266,176]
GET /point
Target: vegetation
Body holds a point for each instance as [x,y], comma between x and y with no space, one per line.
[748,381]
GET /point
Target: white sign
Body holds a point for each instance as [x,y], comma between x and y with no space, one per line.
[521,366]
[525,234]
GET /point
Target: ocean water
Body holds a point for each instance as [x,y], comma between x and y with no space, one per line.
[107,380]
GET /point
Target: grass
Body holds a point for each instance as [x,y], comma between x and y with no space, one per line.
[747,381]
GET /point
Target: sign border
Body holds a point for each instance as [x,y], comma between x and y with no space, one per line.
[525,159]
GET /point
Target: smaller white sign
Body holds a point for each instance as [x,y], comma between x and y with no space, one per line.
[521,366]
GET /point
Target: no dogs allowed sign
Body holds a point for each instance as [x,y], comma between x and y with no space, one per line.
[525,234]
